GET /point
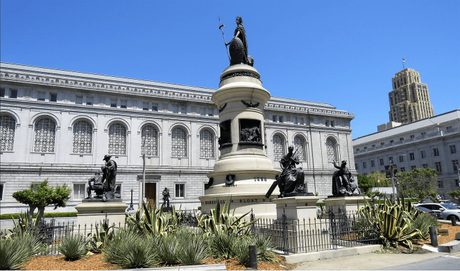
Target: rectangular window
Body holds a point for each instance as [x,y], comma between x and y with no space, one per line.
[364,164]
[401,139]
[423,154]
[403,169]
[210,112]
[2,92]
[356,166]
[332,123]
[41,96]
[145,106]
[281,119]
[89,100]
[382,143]
[301,121]
[382,162]
[372,163]
[448,128]
[13,93]
[327,123]
[413,167]
[435,152]
[78,191]
[294,120]
[53,97]
[79,100]
[457,183]
[154,107]
[1,191]
[438,167]
[452,149]
[180,190]
[455,165]
[425,165]
[113,103]
[401,158]
[440,184]
[183,110]
[124,104]
[423,134]
[412,136]
[390,160]
[412,156]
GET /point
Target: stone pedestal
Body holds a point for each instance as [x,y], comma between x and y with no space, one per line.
[296,208]
[243,173]
[95,212]
[348,204]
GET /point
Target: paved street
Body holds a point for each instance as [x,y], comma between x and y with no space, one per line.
[374,261]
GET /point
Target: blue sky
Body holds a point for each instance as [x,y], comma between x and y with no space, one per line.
[341,52]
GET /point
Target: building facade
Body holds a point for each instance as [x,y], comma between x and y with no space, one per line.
[409,99]
[429,143]
[58,125]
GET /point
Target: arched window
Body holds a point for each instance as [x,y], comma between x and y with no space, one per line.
[45,135]
[117,139]
[7,128]
[278,147]
[179,143]
[82,137]
[206,144]
[149,143]
[331,147]
[300,146]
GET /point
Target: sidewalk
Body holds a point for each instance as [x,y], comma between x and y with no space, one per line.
[369,261]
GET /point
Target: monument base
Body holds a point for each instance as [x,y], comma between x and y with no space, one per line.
[257,203]
[345,204]
[296,208]
[92,213]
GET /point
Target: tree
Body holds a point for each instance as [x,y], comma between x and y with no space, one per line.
[375,179]
[455,194]
[41,195]
[420,183]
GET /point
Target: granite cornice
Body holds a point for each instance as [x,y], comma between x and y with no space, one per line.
[15,73]
[150,88]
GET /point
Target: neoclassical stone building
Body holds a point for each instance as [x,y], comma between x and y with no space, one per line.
[428,143]
[58,125]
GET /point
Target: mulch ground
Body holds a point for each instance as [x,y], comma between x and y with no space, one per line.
[95,262]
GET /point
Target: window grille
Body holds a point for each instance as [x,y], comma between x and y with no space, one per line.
[45,134]
[278,147]
[206,144]
[299,145]
[117,139]
[82,137]
[179,143]
[149,143]
[7,127]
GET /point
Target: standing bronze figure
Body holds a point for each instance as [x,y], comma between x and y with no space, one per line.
[110,173]
[238,46]
[166,197]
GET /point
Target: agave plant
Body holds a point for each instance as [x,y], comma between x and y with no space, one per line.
[222,220]
[152,221]
[15,251]
[98,239]
[393,220]
[73,247]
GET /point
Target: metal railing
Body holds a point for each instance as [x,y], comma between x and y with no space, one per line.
[330,232]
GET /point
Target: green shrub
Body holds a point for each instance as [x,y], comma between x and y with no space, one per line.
[15,252]
[423,222]
[221,244]
[193,248]
[130,250]
[73,247]
[168,247]
[265,249]
[103,233]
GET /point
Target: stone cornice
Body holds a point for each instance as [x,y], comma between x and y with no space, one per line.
[103,83]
